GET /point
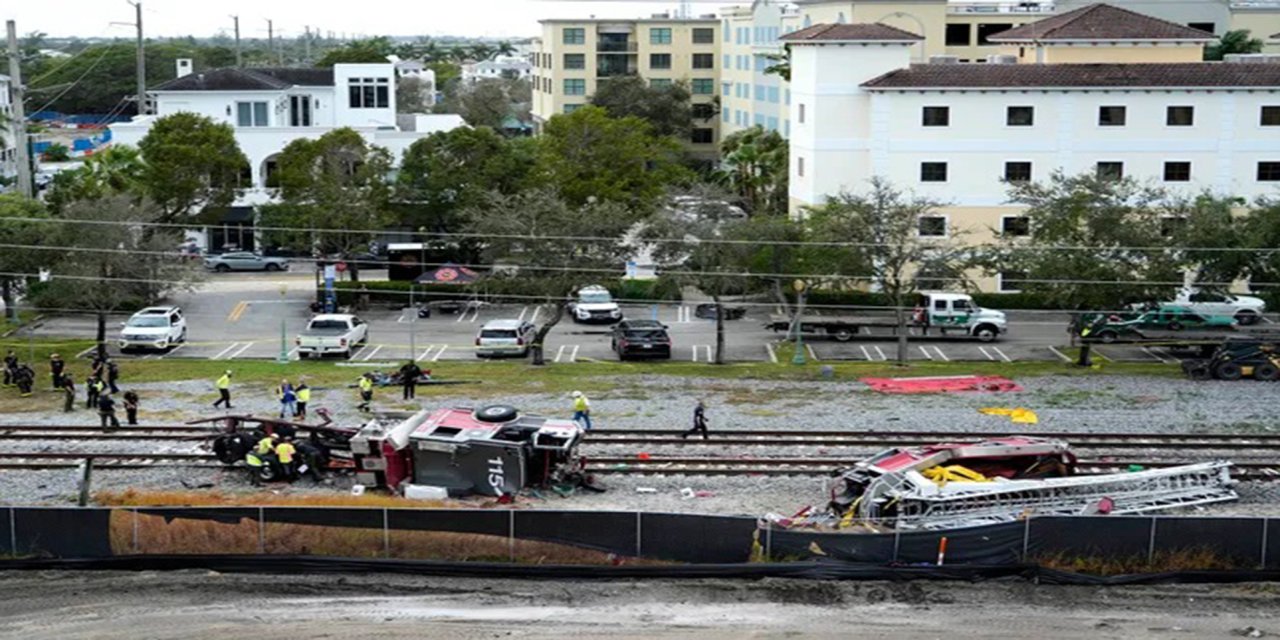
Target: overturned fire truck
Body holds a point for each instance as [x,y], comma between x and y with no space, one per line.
[490,451]
[945,486]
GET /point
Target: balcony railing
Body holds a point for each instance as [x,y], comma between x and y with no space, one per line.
[613,72]
[617,47]
[1002,7]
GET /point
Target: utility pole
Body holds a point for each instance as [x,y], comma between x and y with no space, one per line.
[142,59]
[19,121]
[271,36]
[239,55]
[306,45]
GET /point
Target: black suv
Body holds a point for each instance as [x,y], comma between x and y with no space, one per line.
[641,339]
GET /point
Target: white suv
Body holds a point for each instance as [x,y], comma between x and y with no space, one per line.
[154,328]
[595,304]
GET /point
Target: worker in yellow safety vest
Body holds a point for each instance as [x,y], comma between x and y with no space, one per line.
[304,396]
[366,391]
[284,455]
[581,410]
[224,390]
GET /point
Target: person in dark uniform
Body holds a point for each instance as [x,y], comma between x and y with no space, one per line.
[25,378]
[409,374]
[93,389]
[10,368]
[68,387]
[56,367]
[113,375]
[131,407]
[107,411]
[699,421]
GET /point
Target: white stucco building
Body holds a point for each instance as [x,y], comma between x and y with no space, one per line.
[8,149]
[957,132]
[514,67]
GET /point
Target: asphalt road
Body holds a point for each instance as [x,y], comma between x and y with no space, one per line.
[242,316]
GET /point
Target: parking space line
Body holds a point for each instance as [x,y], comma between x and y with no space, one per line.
[439,353]
[986,353]
[1001,354]
[242,350]
[773,355]
[808,347]
[1267,320]
[1059,354]
[1098,352]
[882,355]
[1148,351]
[925,352]
[356,353]
[225,351]
[865,354]
[523,310]
[426,353]
[237,311]
[942,355]
[401,319]
[559,353]
[536,310]
[292,353]
[574,356]
[82,353]
[176,349]
[372,353]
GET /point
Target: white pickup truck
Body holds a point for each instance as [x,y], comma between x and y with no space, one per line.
[332,333]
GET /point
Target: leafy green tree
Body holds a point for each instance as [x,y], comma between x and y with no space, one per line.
[667,109]
[886,249]
[779,64]
[1205,234]
[446,72]
[487,102]
[358,51]
[118,169]
[1238,41]
[590,156]
[56,152]
[191,165]
[451,170]
[114,266]
[755,166]
[516,227]
[412,95]
[1260,234]
[19,263]
[336,188]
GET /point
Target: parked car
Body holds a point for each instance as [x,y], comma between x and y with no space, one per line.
[154,328]
[244,261]
[641,339]
[707,311]
[1109,328]
[332,333]
[1245,309]
[595,304]
[504,338]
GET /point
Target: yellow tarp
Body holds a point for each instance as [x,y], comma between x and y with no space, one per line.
[1018,415]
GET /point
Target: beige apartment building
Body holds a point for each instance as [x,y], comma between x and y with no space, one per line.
[574,57]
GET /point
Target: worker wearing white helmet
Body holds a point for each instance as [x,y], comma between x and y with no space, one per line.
[582,410]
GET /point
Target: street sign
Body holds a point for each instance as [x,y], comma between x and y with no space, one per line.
[341,266]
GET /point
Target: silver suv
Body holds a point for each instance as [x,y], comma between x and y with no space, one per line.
[154,328]
[504,338]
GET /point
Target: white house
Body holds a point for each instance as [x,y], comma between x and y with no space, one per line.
[415,69]
[515,67]
[8,147]
[958,133]
[271,107]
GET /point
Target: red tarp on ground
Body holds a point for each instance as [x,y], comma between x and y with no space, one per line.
[941,385]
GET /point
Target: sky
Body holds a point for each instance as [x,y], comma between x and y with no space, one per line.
[491,18]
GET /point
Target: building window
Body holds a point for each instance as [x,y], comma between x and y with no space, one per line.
[659,61]
[703,86]
[573,35]
[251,114]
[1268,171]
[703,110]
[575,61]
[990,29]
[724,116]
[1110,170]
[1207,27]
[1015,226]
[936,116]
[1017,171]
[369,93]
[575,87]
[702,136]
[703,35]
[801,114]
[1270,117]
[1177,172]
[660,35]
[570,108]
[1020,116]
[1009,281]
[704,61]
[660,83]
[933,172]
[800,167]
[958,35]
[1179,116]
[931,227]
[1111,116]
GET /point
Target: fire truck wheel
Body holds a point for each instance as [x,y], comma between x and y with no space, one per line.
[222,449]
[267,472]
[496,413]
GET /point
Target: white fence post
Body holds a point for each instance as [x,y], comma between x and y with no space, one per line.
[13,532]
[639,545]
[1026,537]
[1262,564]
[1151,542]
[511,535]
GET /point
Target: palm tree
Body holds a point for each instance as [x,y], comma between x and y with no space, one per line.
[755,165]
[505,48]
[1237,41]
[481,51]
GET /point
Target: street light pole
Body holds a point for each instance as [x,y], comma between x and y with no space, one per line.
[799,358]
[413,326]
[283,358]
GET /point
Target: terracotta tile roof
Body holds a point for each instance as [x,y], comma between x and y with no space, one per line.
[1100,22]
[862,32]
[250,79]
[1027,76]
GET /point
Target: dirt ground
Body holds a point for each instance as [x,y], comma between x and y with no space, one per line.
[202,604]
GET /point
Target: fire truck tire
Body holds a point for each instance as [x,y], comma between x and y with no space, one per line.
[1266,372]
[222,449]
[496,413]
[267,473]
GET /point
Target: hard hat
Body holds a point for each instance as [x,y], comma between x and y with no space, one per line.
[577,394]
[228,372]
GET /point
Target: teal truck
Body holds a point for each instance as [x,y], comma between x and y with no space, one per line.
[949,314]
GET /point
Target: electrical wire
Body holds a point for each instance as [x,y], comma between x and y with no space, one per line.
[94,65]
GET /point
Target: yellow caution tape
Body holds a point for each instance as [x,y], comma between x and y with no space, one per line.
[952,473]
[1019,415]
